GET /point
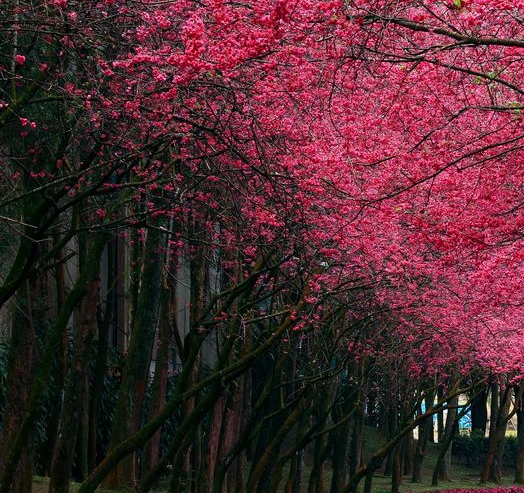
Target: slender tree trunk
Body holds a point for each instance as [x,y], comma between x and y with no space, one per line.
[408,447]
[357,439]
[392,426]
[77,387]
[102,344]
[440,421]
[519,469]
[441,471]
[158,394]
[420,450]
[294,478]
[231,432]
[492,445]
[20,379]
[340,438]
[60,367]
[396,470]
[127,414]
[213,446]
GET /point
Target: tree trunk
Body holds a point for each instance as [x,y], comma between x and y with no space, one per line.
[131,392]
[519,470]
[158,394]
[479,413]
[77,388]
[492,445]
[441,471]
[340,439]
[357,439]
[20,379]
[500,406]
[396,470]
[420,450]
[407,455]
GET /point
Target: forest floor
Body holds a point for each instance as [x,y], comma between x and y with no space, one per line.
[461,476]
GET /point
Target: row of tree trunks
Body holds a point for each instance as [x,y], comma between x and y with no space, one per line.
[17,441]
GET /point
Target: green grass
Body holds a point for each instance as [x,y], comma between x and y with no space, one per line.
[461,476]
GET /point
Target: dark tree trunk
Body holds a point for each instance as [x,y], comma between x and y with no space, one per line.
[479,413]
[98,386]
[340,438]
[357,439]
[519,470]
[441,471]
[420,450]
[392,426]
[500,406]
[77,387]
[127,413]
[158,394]
[407,455]
[23,349]
[396,470]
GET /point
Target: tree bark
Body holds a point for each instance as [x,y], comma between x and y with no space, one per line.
[441,471]
[420,450]
[519,469]
[129,404]
[479,413]
[22,357]
[77,388]
[25,428]
[159,390]
[500,407]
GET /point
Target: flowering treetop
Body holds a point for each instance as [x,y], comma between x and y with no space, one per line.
[381,140]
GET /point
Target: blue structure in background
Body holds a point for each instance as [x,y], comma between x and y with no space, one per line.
[464,422]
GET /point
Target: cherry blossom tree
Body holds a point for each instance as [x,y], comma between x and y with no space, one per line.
[348,161]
